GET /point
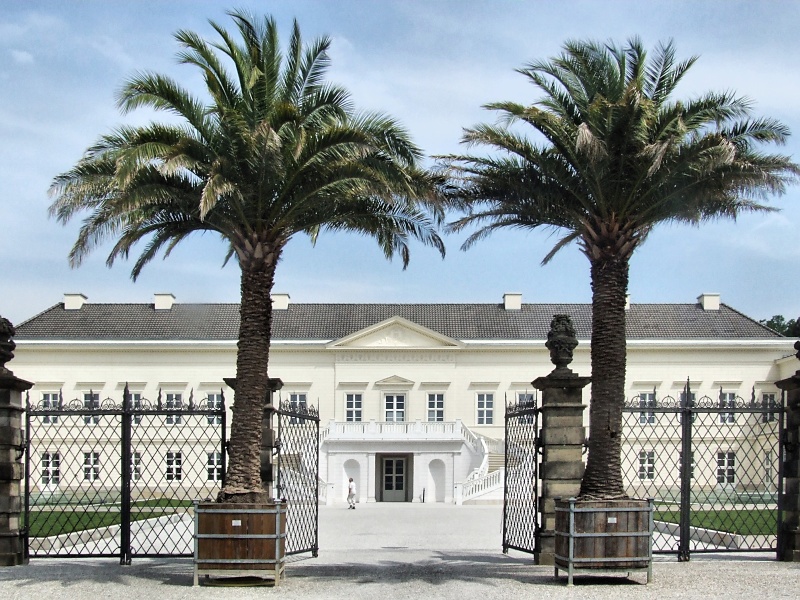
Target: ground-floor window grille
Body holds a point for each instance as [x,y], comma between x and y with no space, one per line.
[647,465]
[51,468]
[726,467]
[214,466]
[174,466]
[91,466]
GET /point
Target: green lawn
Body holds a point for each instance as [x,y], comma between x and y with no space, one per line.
[740,521]
[45,523]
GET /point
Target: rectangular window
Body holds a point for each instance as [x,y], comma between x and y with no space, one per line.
[647,465]
[435,407]
[297,403]
[691,464]
[136,405]
[174,466]
[395,407]
[51,468]
[726,467]
[352,407]
[136,461]
[485,409]
[215,403]
[727,400]
[91,466]
[768,401]
[91,401]
[214,466]
[768,469]
[525,400]
[50,401]
[174,402]
[647,400]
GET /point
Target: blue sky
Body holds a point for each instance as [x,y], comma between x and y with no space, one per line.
[431,64]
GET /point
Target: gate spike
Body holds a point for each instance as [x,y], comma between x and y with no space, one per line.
[191,399]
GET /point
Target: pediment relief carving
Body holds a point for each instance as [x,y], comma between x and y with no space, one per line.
[396,333]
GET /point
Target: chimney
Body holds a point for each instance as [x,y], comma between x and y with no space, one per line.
[709,301]
[512,301]
[163,301]
[280,301]
[627,301]
[74,301]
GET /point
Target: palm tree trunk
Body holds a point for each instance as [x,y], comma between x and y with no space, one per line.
[243,478]
[603,475]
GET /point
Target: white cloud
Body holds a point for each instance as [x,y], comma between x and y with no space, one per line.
[21,57]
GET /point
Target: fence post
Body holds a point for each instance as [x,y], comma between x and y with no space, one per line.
[687,414]
[789,497]
[125,484]
[562,435]
[12,546]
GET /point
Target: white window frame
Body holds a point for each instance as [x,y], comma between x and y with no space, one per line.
[91,466]
[214,403]
[647,465]
[647,400]
[136,466]
[726,467]
[727,400]
[298,401]
[173,401]
[484,402]
[353,404]
[214,466]
[51,401]
[769,469]
[91,400]
[435,407]
[769,400]
[174,466]
[525,399]
[394,405]
[136,405]
[51,468]
[692,404]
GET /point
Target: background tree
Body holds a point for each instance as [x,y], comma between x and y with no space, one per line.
[272,152]
[615,155]
[790,328]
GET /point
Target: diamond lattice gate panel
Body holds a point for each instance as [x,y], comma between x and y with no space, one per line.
[298,475]
[712,464]
[119,477]
[520,496]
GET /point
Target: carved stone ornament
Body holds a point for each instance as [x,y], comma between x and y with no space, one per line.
[561,341]
[7,344]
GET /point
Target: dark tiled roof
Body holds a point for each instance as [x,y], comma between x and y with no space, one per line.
[334,321]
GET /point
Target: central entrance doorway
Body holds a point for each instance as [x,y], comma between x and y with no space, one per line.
[395,478]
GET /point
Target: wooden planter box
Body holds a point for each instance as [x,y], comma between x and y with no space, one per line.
[239,540]
[604,535]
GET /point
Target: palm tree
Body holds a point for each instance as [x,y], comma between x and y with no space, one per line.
[274,152]
[616,156]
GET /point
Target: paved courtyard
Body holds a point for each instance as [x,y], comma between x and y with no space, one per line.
[387,551]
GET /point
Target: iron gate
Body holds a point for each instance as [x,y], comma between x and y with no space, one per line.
[111,478]
[713,466]
[520,493]
[298,475]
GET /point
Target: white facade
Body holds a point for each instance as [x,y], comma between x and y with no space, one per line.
[400,405]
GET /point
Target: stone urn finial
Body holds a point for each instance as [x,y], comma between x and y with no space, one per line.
[561,341]
[7,344]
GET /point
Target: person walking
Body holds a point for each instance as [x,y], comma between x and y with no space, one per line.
[351,494]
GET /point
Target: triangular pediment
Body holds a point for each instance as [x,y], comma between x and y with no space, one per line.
[394,380]
[395,333]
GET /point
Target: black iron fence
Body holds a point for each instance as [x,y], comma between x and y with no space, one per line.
[520,493]
[298,475]
[713,466]
[118,478]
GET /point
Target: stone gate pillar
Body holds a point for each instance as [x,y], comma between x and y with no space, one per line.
[12,550]
[562,433]
[789,528]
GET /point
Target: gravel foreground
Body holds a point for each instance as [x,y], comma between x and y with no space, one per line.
[381,552]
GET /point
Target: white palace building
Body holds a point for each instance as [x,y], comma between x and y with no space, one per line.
[411,397]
